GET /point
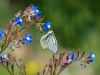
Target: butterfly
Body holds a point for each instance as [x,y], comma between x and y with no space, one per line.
[48,41]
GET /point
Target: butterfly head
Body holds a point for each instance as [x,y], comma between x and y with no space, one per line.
[50,32]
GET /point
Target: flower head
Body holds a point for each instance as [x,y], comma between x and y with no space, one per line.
[71,55]
[92,56]
[19,20]
[47,26]
[4,56]
[28,38]
[35,10]
[1,33]
[75,58]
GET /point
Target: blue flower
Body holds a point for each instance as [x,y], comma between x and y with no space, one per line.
[47,26]
[4,56]
[92,56]
[35,10]
[28,38]
[1,33]
[75,58]
[70,55]
[19,20]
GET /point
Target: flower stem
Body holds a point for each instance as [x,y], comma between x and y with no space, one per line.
[7,69]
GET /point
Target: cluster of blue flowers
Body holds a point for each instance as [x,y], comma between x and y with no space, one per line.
[90,58]
[36,12]
[72,57]
[28,37]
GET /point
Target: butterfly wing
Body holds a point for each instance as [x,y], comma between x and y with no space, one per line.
[52,43]
[48,41]
[43,42]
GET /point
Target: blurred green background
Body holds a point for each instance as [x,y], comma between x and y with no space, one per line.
[76,24]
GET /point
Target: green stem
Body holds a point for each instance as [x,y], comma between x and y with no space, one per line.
[7,69]
[4,48]
[59,72]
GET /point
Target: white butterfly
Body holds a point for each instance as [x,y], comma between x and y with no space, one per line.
[48,41]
